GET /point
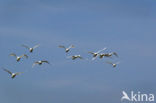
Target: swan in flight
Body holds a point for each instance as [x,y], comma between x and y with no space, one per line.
[125,96]
[108,54]
[113,64]
[40,62]
[101,55]
[95,54]
[75,57]
[31,49]
[67,49]
[18,58]
[13,75]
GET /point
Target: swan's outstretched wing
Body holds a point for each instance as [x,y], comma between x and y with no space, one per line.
[34,64]
[36,46]
[72,46]
[13,54]
[115,54]
[24,55]
[101,50]
[94,58]
[109,62]
[117,63]
[25,46]
[45,61]
[91,53]
[69,57]
[81,57]
[7,71]
[78,56]
[18,73]
[61,46]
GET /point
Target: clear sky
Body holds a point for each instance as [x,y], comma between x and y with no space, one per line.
[124,26]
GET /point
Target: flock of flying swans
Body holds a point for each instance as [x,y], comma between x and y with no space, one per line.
[31,49]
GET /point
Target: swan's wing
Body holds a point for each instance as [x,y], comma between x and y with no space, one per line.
[25,46]
[101,55]
[80,57]
[12,54]
[117,63]
[115,54]
[34,64]
[109,62]
[72,46]
[24,55]
[90,52]
[36,46]
[94,58]
[61,46]
[45,61]
[101,50]
[73,57]
[7,71]
[69,57]
[18,73]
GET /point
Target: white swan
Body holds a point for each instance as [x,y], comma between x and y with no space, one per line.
[13,75]
[18,58]
[76,57]
[40,62]
[67,49]
[113,64]
[31,49]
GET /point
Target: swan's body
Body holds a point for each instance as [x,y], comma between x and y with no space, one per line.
[18,58]
[66,49]
[113,64]
[94,54]
[32,48]
[13,75]
[40,62]
[75,57]
[101,55]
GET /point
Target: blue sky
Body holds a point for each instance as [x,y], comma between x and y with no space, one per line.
[124,26]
